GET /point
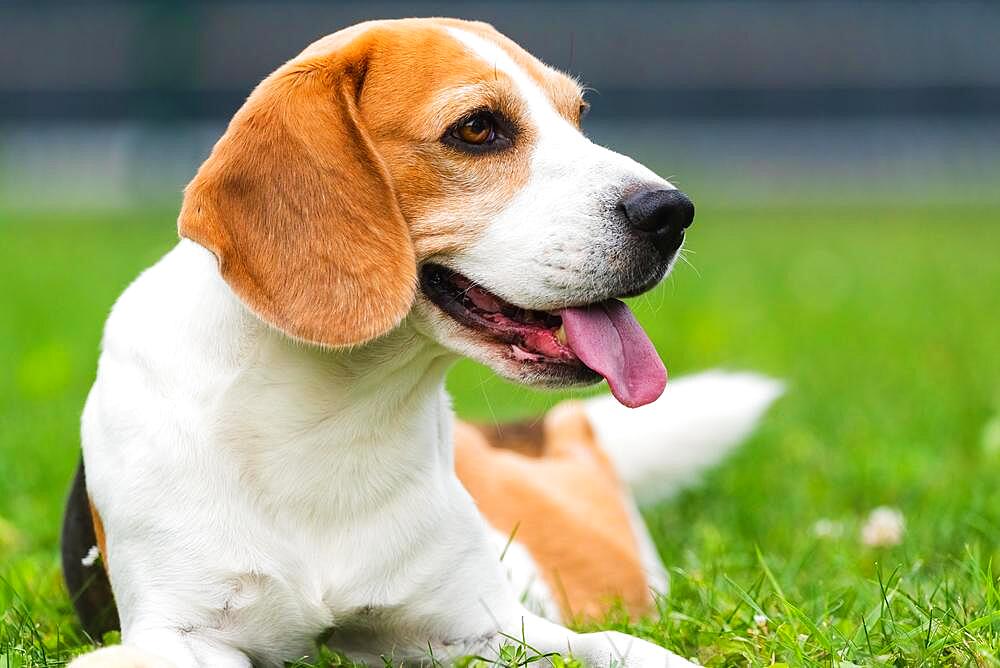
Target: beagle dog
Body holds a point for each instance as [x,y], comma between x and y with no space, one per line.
[270,454]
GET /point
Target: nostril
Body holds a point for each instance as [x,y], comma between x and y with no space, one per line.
[659,211]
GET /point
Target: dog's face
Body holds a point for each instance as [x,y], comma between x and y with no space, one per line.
[432,168]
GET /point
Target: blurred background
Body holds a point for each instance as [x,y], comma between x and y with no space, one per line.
[845,162]
[117,102]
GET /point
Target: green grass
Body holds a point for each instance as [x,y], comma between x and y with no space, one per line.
[885,322]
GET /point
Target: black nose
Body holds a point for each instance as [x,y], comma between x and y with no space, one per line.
[663,214]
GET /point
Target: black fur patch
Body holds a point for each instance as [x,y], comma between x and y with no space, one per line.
[88,586]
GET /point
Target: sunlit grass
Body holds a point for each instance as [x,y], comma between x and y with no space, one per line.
[884,321]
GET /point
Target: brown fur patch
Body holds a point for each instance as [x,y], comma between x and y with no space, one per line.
[569,510]
[331,182]
[562,90]
[421,82]
[299,209]
[526,438]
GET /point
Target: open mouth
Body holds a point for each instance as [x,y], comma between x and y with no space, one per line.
[603,337]
[537,336]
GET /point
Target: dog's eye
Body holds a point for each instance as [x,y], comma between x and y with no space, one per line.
[479,132]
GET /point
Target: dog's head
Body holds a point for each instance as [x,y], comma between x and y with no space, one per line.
[431,168]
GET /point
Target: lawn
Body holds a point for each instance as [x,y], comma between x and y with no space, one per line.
[884,320]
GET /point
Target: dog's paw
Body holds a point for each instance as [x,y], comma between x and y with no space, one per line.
[631,652]
[119,656]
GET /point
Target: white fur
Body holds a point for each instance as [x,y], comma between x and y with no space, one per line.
[665,446]
[121,656]
[525,577]
[573,181]
[257,492]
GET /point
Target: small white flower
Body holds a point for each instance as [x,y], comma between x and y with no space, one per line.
[883,528]
[760,620]
[827,528]
[92,554]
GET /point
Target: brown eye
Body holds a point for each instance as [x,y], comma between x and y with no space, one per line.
[477,130]
[480,132]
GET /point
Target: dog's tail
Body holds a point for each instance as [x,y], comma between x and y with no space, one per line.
[663,447]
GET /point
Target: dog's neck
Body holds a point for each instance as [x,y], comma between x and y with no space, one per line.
[344,430]
[326,431]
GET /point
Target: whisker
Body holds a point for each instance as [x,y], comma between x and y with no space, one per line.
[688,263]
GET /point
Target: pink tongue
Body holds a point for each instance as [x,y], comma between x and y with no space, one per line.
[608,339]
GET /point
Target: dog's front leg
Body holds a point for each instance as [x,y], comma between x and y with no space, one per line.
[164,649]
[606,648]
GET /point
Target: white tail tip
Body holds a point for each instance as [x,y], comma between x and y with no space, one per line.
[663,447]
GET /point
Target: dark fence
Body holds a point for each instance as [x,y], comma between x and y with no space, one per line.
[181,61]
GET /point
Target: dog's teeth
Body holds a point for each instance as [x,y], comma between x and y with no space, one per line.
[561,335]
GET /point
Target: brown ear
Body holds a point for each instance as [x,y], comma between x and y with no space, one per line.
[298,208]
